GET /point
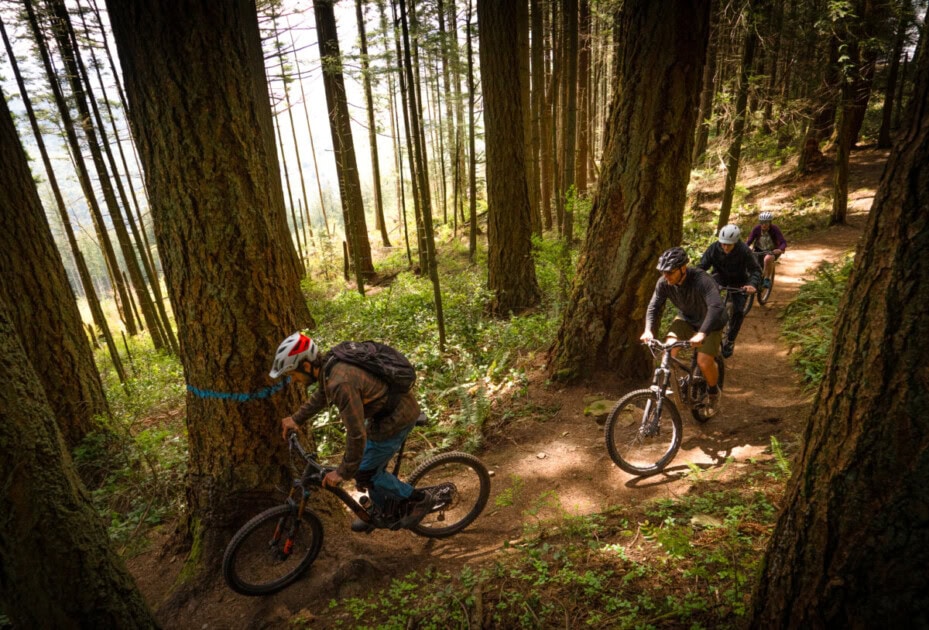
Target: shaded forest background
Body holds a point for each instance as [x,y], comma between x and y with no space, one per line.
[471,182]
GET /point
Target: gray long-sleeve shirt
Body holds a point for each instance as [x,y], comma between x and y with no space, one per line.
[696,298]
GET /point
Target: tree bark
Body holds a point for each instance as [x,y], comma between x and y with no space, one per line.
[709,89]
[34,283]
[511,270]
[851,545]
[734,154]
[356,230]
[638,208]
[197,91]
[379,222]
[80,580]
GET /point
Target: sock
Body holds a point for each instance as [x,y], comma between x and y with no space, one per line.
[713,390]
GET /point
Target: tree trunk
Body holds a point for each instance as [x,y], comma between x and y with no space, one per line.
[638,208]
[709,89]
[34,283]
[80,580]
[569,117]
[106,246]
[90,292]
[196,86]
[734,154]
[583,100]
[86,107]
[522,33]
[852,543]
[537,64]
[379,222]
[472,158]
[511,270]
[423,179]
[356,230]
[883,136]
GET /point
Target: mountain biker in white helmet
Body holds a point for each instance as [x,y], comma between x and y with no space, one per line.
[733,265]
[767,240]
[700,318]
[372,437]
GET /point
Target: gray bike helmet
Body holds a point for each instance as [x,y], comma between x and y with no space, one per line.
[292,352]
[729,235]
[671,259]
[765,217]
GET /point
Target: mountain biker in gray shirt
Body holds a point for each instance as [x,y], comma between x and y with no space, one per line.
[701,316]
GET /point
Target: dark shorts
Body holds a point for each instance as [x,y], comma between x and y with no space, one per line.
[682,330]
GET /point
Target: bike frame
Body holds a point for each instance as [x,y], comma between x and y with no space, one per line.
[662,377]
[313,473]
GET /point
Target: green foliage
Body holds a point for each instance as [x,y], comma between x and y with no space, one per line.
[484,356]
[809,319]
[134,465]
[623,568]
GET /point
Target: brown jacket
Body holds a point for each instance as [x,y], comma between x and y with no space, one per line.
[359,395]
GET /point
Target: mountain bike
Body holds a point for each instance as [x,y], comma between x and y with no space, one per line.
[730,307]
[764,293]
[276,547]
[643,431]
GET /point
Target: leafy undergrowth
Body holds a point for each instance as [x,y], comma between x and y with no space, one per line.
[690,562]
[809,319]
[134,465]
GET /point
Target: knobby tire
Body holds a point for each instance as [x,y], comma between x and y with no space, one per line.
[471,490]
[254,563]
[629,448]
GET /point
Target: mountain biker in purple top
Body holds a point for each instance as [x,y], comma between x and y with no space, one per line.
[733,265]
[371,441]
[767,238]
[701,316]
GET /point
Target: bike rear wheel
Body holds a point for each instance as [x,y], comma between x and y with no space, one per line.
[272,550]
[638,440]
[462,485]
[765,293]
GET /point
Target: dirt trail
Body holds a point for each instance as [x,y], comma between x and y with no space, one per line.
[558,463]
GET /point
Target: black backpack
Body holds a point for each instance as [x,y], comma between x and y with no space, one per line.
[384,362]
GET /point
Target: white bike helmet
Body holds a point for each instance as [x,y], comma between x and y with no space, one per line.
[292,352]
[765,217]
[730,234]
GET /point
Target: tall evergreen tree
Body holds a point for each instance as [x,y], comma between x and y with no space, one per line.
[34,283]
[198,98]
[511,269]
[638,208]
[851,545]
[57,568]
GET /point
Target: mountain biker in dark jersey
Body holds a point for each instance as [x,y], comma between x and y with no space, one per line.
[734,265]
[370,443]
[701,316]
[766,238]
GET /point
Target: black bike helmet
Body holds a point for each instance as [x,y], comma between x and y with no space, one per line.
[672,259]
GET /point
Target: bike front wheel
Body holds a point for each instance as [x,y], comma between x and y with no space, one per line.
[640,439]
[765,293]
[461,485]
[272,550]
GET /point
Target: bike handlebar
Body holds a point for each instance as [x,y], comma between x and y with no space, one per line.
[657,345]
[295,445]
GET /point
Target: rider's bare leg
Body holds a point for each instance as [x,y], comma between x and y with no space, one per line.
[707,365]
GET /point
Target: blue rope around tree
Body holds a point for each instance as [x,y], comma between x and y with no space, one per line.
[238,396]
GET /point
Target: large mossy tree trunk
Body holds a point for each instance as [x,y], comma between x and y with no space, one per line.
[638,208]
[57,568]
[198,99]
[851,546]
[511,269]
[43,308]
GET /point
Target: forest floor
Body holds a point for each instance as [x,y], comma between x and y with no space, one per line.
[558,449]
